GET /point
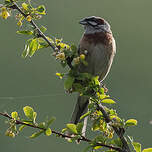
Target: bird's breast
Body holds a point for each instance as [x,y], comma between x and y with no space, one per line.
[100,53]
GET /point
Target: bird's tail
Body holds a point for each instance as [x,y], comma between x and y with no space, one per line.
[81,108]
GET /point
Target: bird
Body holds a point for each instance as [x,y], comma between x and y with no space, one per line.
[100,44]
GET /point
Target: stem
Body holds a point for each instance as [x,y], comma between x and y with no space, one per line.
[119,131]
[82,138]
[40,33]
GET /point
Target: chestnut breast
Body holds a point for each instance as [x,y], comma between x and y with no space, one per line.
[101,49]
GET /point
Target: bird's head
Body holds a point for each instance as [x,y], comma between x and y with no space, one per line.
[95,24]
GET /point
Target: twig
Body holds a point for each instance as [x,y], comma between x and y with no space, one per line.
[82,138]
[40,33]
[119,131]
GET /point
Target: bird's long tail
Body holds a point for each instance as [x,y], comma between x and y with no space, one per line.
[81,108]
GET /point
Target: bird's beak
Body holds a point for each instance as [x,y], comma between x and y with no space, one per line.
[83,22]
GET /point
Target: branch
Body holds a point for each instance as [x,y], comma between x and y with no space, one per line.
[40,33]
[82,138]
[119,131]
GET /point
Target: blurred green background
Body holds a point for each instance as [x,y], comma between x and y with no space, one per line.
[33,82]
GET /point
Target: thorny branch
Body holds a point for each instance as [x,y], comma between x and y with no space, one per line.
[82,138]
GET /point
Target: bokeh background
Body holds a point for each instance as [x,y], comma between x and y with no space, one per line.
[32,81]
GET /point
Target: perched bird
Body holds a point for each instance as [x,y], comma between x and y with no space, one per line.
[100,45]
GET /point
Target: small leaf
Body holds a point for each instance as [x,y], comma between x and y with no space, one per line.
[109,101]
[116,142]
[36,134]
[34,116]
[25,6]
[95,126]
[72,128]
[41,10]
[85,115]
[115,117]
[137,146]
[26,51]
[147,150]
[64,130]
[14,115]
[79,128]
[43,43]
[51,121]
[68,82]
[100,138]
[28,111]
[48,132]
[96,80]
[43,29]
[97,147]
[26,32]
[42,125]
[21,127]
[131,122]
[34,45]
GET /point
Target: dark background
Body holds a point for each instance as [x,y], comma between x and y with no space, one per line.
[33,82]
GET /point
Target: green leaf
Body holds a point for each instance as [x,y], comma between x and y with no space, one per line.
[97,147]
[43,29]
[72,128]
[36,134]
[21,127]
[79,128]
[137,146]
[34,45]
[74,48]
[42,125]
[26,51]
[25,6]
[100,138]
[14,115]
[147,150]
[131,122]
[68,82]
[116,142]
[109,101]
[48,132]
[28,111]
[41,10]
[85,115]
[49,122]
[34,116]
[95,126]
[26,32]
[64,130]
[96,80]
[43,43]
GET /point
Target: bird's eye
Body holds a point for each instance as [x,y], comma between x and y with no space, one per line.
[100,21]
